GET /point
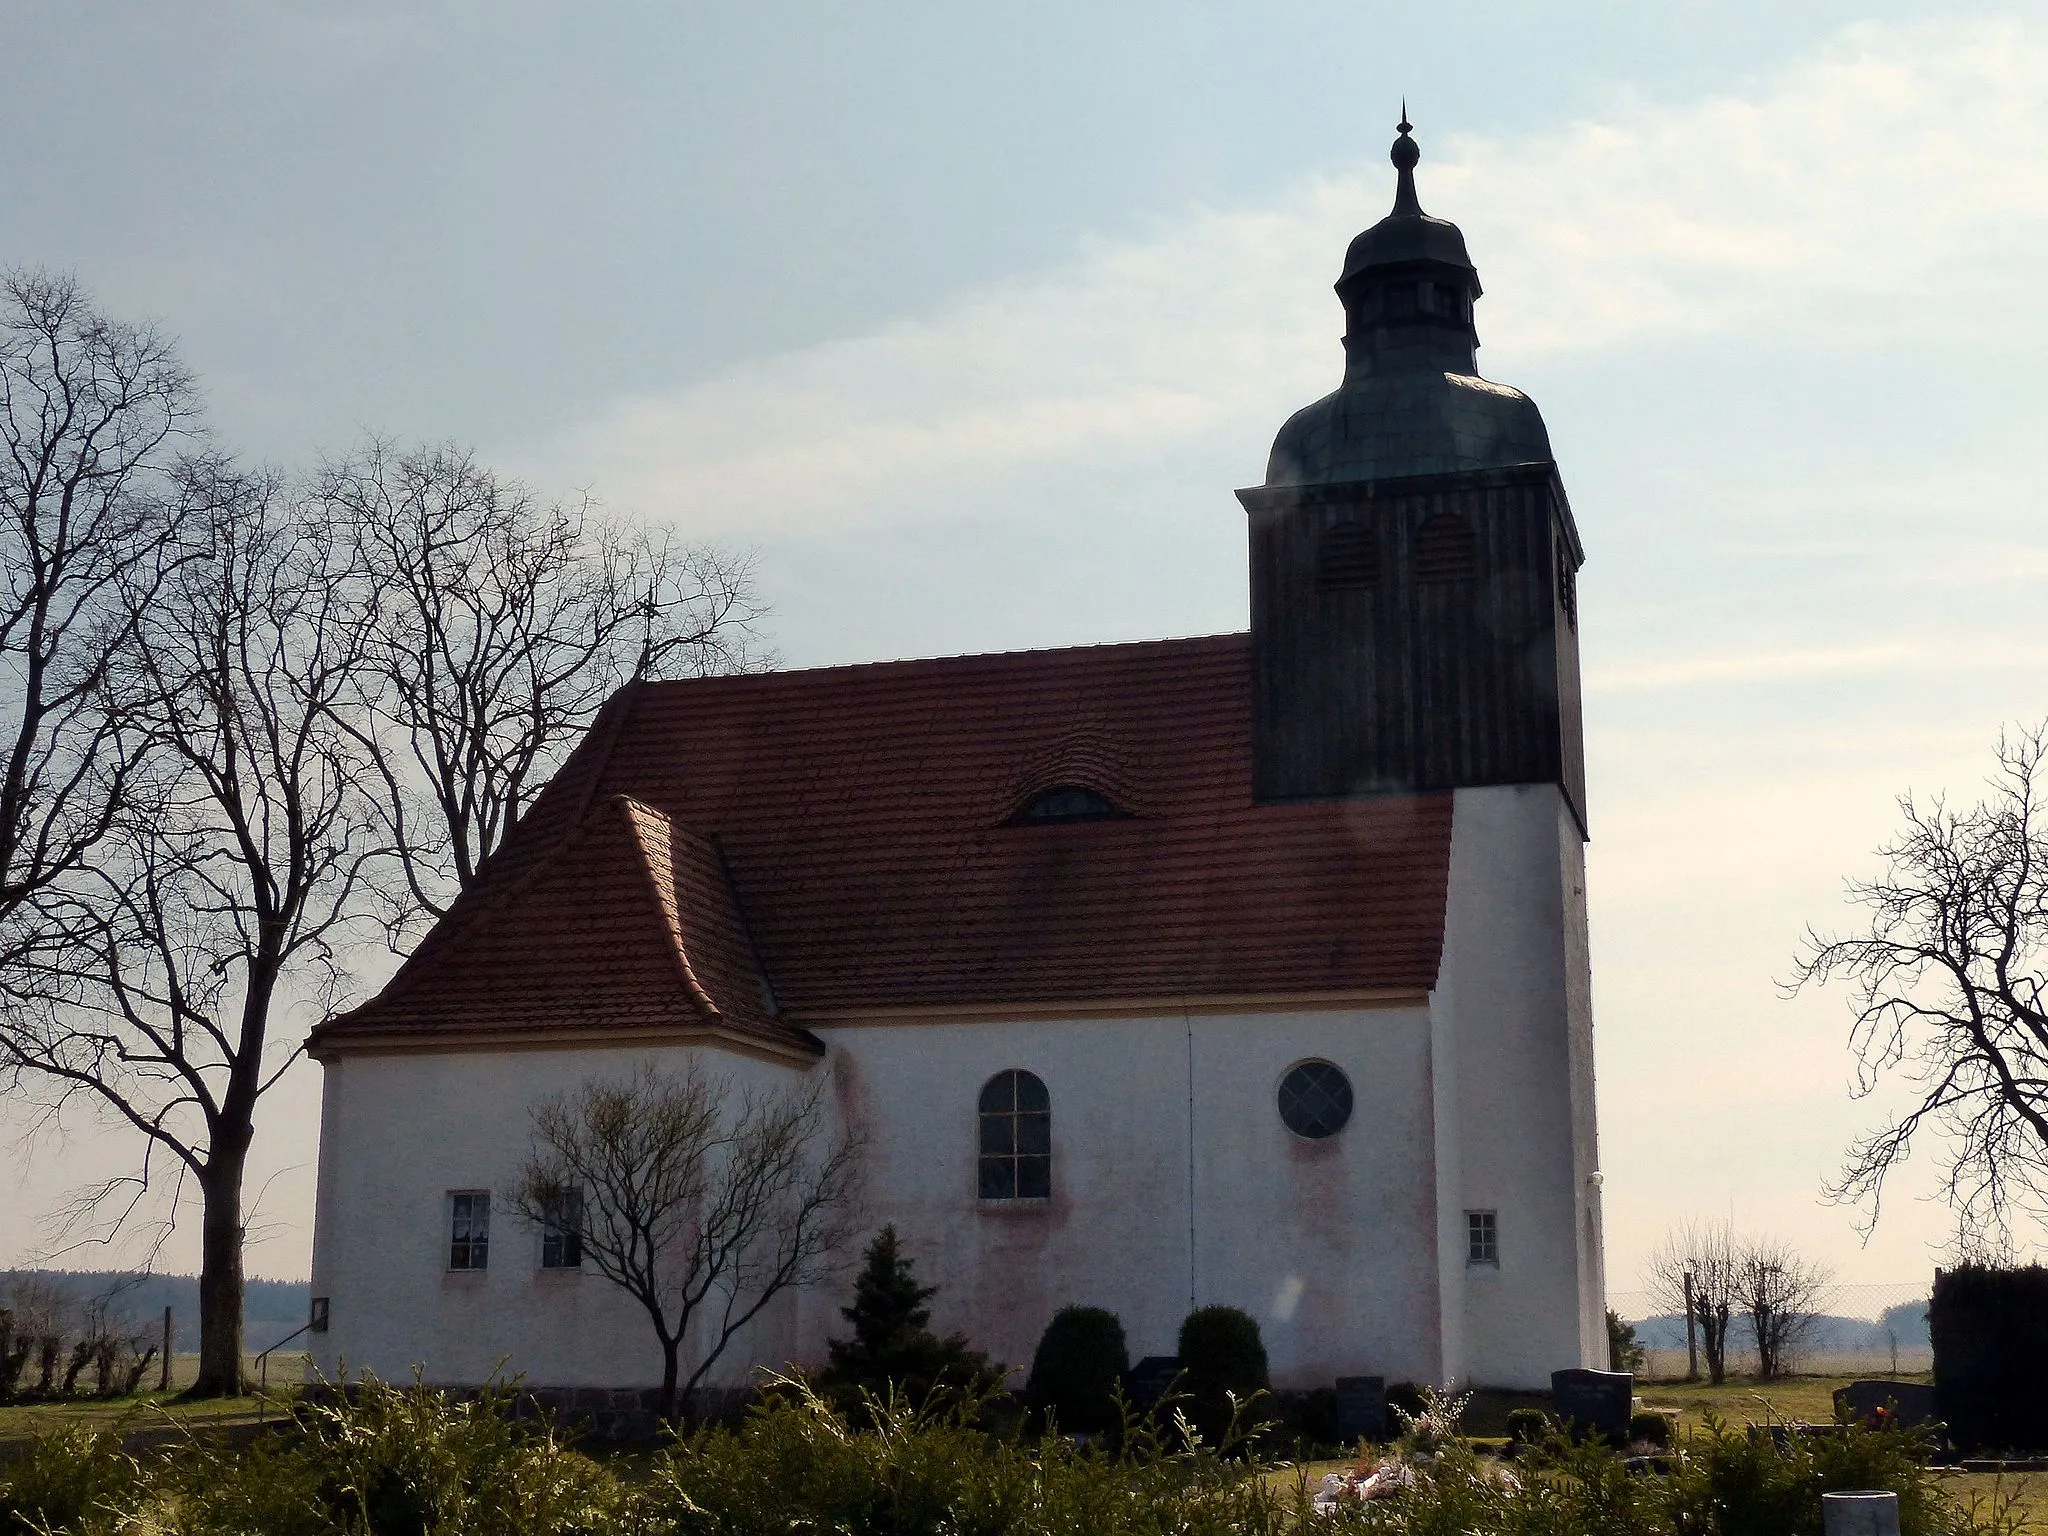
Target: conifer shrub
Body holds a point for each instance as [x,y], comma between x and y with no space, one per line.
[1989,1327]
[1222,1358]
[893,1349]
[1080,1362]
[62,1479]
[1528,1426]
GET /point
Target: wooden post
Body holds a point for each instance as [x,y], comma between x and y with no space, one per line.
[1692,1348]
[164,1376]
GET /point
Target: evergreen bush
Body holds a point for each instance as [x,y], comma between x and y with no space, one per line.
[1989,1327]
[893,1348]
[1080,1362]
[1222,1357]
[1528,1426]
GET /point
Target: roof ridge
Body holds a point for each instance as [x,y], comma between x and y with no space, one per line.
[951,659]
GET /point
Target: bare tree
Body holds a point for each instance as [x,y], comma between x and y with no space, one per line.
[1701,1261]
[702,1203]
[501,624]
[1948,987]
[89,412]
[231,876]
[1779,1290]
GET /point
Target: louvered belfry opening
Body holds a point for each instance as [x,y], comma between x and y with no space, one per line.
[1348,558]
[1446,549]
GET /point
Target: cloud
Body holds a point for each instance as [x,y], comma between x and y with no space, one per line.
[1842,196]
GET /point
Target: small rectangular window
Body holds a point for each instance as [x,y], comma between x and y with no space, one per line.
[561,1234]
[469,1228]
[1482,1238]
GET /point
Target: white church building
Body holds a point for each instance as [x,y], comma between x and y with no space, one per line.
[1248,969]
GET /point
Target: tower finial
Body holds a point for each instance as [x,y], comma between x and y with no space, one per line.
[1404,155]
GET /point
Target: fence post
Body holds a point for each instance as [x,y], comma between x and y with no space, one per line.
[1692,1348]
[164,1374]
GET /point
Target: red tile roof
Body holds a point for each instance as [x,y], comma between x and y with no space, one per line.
[752,853]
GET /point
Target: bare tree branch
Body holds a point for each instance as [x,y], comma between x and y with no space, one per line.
[89,411]
[501,625]
[701,1205]
[1948,989]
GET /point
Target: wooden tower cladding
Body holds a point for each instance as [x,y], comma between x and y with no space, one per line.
[1415,633]
[1413,560]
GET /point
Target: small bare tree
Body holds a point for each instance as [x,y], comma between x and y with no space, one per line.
[701,1202]
[232,876]
[1779,1290]
[1950,987]
[1701,1260]
[501,624]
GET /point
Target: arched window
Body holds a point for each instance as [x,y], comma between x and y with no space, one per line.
[1067,802]
[1348,558]
[1446,549]
[1016,1138]
[1315,1099]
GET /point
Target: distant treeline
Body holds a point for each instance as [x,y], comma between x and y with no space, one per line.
[1903,1326]
[270,1308]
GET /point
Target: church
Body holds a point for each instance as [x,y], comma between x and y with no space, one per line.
[1248,969]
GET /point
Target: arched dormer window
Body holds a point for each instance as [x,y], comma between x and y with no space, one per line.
[1348,559]
[1067,802]
[1446,549]
[1016,1138]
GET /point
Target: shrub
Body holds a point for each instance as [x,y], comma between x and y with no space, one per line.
[63,1478]
[1315,1416]
[795,1465]
[1080,1362]
[1649,1428]
[1528,1426]
[1990,1332]
[1222,1358]
[892,1348]
[1405,1397]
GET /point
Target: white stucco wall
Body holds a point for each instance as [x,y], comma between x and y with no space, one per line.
[1329,1244]
[1513,1020]
[397,1134]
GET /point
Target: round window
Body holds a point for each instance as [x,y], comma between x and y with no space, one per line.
[1315,1100]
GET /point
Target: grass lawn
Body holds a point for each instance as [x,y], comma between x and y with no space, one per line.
[152,1415]
[1808,1399]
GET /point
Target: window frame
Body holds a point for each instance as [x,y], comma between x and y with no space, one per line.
[1482,1239]
[565,1240]
[465,1250]
[1280,1098]
[1013,1138]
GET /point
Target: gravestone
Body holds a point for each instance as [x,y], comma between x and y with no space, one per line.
[1149,1380]
[1595,1402]
[1912,1401]
[1361,1408]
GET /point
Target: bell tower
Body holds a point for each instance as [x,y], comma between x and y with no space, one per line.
[1413,558]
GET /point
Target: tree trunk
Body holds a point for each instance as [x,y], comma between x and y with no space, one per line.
[670,1349]
[220,1275]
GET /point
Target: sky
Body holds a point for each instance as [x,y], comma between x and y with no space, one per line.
[968,320]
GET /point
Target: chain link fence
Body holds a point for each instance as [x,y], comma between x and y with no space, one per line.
[1853,1330]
